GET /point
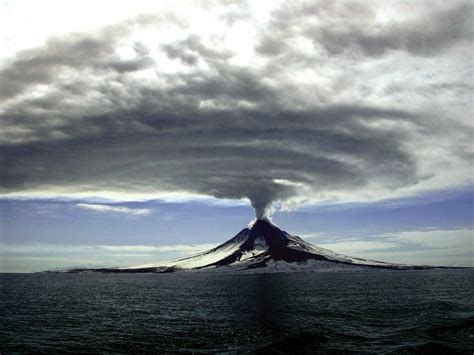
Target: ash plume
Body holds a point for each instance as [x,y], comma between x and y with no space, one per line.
[312,113]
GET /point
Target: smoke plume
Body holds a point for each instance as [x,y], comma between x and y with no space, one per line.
[296,111]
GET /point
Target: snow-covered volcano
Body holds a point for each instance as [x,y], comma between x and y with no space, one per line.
[263,247]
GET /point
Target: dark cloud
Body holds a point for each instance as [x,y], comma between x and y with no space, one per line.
[229,153]
[218,128]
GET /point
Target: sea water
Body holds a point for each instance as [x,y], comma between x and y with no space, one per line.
[428,311]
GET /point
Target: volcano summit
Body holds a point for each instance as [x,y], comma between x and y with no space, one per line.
[262,248]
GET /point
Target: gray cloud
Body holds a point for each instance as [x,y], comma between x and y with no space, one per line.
[231,131]
[42,65]
[352,28]
[191,49]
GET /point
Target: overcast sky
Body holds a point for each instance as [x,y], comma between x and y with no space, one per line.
[175,117]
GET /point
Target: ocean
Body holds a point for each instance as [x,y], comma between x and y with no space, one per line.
[406,312]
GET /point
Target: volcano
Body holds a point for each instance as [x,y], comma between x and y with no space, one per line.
[262,248]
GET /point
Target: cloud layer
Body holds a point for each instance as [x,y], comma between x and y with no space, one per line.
[432,247]
[40,257]
[297,103]
[115,209]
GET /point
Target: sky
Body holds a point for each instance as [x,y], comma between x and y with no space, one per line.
[133,132]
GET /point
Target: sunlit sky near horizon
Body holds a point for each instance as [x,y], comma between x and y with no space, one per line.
[133,132]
